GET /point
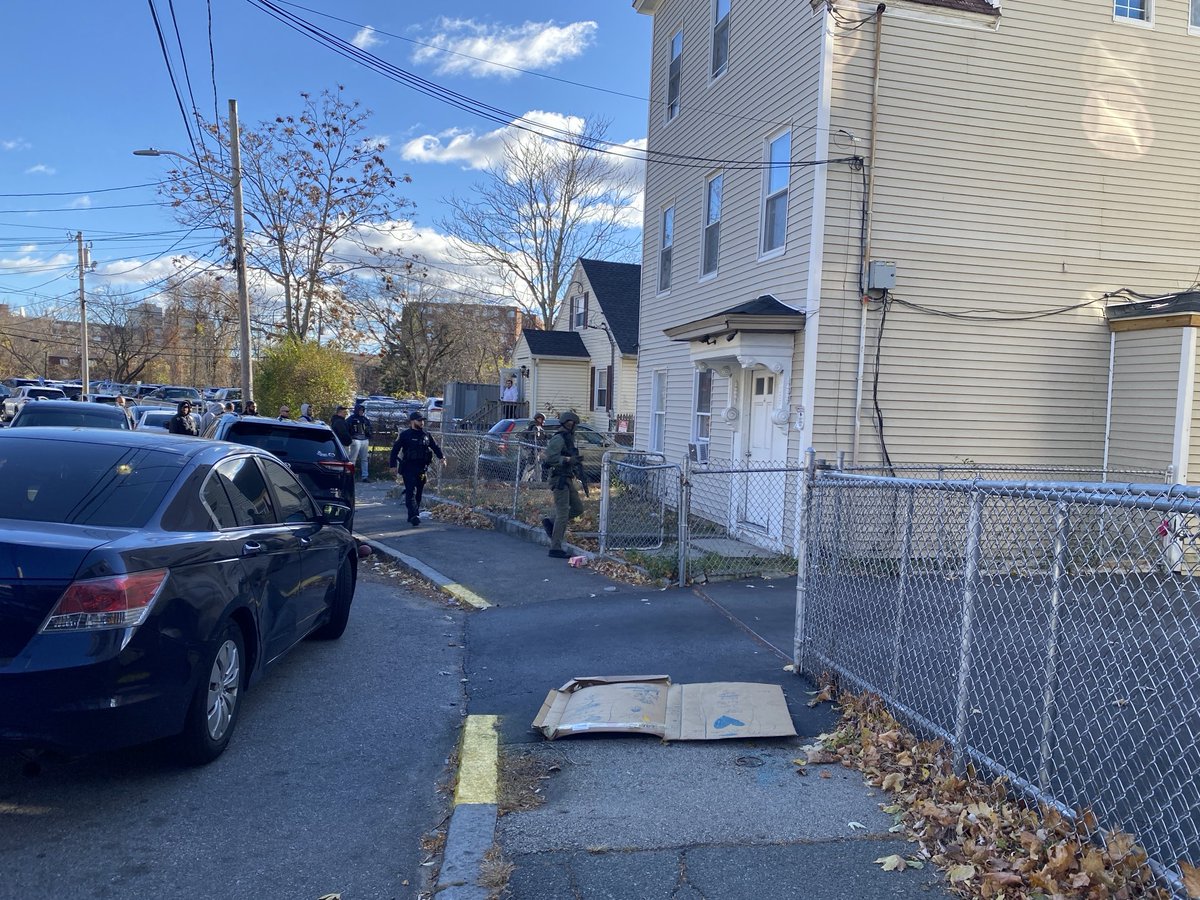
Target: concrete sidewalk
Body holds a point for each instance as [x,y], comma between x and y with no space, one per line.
[631,816]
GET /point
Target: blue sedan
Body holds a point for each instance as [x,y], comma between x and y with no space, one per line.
[147,581]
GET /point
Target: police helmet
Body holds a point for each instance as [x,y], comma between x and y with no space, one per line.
[568,416]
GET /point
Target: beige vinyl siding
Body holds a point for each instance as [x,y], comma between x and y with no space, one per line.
[770,82]
[1144,397]
[562,384]
[1007,186]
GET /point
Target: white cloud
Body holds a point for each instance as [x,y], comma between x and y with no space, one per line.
[478,151]
[29,248]
[39,169]
[136,272]
[80,202]
[365,39]
[15,144]
[30,264]
[531,45]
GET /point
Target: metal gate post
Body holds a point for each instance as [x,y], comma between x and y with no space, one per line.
[475,475]
[902,590]
[970,583]
[685,504]
[517,481]
[804,522]
[1062,530]
[605,506]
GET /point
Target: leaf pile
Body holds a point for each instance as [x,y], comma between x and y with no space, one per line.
[990,844]
[459,515]
[619,571]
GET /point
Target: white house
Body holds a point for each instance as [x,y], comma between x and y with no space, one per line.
[588,361]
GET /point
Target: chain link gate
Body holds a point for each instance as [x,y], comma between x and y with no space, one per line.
[1047,631]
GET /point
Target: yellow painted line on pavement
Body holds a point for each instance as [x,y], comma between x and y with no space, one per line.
[479,762]
[466,595]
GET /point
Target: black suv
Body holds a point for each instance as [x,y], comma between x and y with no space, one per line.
[309,449]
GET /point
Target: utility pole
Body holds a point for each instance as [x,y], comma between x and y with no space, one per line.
[84,262]
[239,240]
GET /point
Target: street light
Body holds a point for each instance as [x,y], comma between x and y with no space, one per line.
[234,180]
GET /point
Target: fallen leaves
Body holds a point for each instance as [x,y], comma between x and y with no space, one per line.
[990,844]
[459,515]
[1191,879]
[898,863]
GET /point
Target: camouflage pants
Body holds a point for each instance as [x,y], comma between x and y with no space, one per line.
[567,505]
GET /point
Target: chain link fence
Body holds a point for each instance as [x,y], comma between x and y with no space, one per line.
[1047,631]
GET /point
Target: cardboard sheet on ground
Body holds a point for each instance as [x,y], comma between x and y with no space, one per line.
[650,704]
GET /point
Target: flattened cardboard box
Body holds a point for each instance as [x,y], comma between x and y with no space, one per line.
[650,704]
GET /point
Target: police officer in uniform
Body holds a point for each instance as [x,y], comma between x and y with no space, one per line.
[413,453]
[565,464]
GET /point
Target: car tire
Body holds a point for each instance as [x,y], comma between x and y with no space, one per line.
[342,592]
[217,699]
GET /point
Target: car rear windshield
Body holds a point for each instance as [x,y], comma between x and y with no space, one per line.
[70,418]
[303,445]
[83,483]
[45,392]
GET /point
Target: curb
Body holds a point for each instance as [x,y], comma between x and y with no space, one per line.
[443,583]
[472,830]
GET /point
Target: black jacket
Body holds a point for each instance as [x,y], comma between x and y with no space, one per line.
[360,427]
[181,424]
[414,449]
[341,430]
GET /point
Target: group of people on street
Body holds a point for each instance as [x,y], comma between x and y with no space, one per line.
[354,434]
[415,450]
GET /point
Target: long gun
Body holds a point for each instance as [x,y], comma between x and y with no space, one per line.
[577,469]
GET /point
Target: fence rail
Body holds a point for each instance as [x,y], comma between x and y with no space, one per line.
[1048,631]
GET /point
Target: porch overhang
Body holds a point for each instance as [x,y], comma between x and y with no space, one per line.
[1172,311]
[763,315]
[758,334]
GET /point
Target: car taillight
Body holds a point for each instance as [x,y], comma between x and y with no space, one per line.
[338,466]
[118,601]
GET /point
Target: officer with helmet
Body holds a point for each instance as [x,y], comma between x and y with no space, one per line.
[565,465]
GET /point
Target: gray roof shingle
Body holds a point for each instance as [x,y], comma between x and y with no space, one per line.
[554,343]
[617,287]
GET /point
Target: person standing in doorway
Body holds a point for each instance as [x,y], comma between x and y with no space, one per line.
[412,454]
[564,463]
[360,439]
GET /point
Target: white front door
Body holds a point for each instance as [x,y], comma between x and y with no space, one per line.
[760,506]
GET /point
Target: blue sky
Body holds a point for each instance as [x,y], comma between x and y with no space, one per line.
[87,84]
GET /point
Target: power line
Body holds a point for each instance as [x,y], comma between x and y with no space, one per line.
[162,43]
[502,117]
[535,74]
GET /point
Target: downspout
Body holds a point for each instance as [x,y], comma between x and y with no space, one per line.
[1185,397]
[816,240]
[1112,356]
[869,200]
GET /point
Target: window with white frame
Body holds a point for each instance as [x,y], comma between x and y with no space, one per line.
[658,411]
[601,385]
[720,36]
[664,253]
[1137,10]
[579,310]
[712,224]
[674,74]
[702,418]
[1194,20]
[775,196]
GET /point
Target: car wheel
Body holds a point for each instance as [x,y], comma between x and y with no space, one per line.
[217,699]
[341,596]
